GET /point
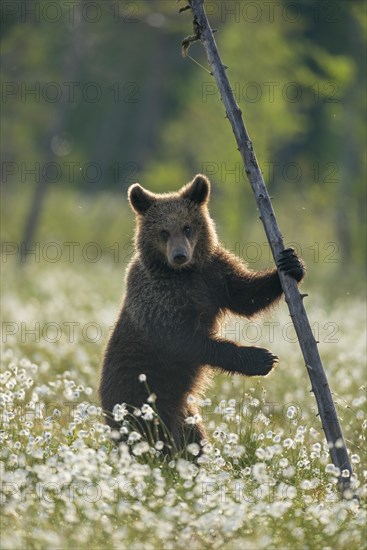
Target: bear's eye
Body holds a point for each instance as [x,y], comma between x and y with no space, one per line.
[164,235]
[187,231]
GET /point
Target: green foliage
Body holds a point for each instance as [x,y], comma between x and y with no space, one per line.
[71,217]
[159,119]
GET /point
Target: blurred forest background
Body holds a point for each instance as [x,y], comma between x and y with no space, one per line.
[96,96]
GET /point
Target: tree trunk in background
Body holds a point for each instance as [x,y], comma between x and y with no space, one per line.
[150,107]
[142,117]
[348,169]
[58,125]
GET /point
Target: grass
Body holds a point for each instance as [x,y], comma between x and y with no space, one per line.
[265,479]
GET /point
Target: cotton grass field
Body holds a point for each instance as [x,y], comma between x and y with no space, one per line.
[265,479]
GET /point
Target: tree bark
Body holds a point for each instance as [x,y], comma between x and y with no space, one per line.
[71,65]
[308,344]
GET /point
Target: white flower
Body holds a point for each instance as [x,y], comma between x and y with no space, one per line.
[119,412]
[92,410]
[148,413]
[260,453]
[313,432]
[291,412]
[233,438]
[289,472]
[134,436]
[142,378]
[291,492]
[141,448]
[193,448]
[259,471]
[331,469]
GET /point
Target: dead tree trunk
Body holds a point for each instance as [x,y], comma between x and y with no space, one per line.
[71,64]
[308,344]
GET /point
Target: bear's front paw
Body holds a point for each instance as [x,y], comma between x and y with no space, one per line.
[257,361]
[291,264]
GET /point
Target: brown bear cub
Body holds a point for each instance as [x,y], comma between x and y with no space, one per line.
[178,286]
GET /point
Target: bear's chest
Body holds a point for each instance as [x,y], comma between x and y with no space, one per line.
[188,298]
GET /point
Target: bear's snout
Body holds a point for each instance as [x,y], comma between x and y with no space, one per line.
[180,256]
[179,251]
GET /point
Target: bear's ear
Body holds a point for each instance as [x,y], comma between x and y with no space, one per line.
[198,190]
[140,199]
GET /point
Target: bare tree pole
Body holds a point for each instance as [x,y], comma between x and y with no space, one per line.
[308,344]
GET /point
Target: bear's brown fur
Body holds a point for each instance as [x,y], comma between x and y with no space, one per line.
[178,286]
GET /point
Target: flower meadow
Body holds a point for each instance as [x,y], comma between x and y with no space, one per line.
[264,478]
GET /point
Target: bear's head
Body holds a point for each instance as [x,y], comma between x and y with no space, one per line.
[174,230]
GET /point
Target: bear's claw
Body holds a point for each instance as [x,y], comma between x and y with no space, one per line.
[291,264]
[257,361]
